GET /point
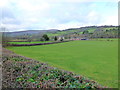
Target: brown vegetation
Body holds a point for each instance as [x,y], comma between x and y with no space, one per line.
[22,72]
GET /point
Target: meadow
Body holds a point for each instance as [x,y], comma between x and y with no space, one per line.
[79,31]
[96,60]
[30,42]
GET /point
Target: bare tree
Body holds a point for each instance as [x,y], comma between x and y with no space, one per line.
[5,38]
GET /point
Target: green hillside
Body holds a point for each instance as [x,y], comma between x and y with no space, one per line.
[88,32]
[80,31]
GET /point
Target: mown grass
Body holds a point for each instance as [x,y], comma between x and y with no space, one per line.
[91,30]
[109,28]
[97,60]
[106,39]
[68,32]
[30,42]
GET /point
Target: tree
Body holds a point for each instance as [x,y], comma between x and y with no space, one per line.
[45,37]
[4,37]
[5,40]
[85,32]
[61,39]
[55,38]
[29,39]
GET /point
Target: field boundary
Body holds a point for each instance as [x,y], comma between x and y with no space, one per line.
[37,44]
[18,41]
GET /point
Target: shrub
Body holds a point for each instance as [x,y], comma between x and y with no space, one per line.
[55,38]
[45,37]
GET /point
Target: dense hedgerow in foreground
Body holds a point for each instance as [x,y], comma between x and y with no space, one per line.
[21,72]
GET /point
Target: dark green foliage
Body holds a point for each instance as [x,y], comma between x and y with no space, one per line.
[85,32]
[55,38]
[45,37]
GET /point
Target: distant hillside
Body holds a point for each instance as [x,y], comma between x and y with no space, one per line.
[29,32]
[90,31]
[72,33]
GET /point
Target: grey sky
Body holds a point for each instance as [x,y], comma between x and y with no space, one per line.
[57,14]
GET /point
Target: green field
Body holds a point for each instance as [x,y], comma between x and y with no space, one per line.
[30,42]
[105,39]
[90,29]
[97,60]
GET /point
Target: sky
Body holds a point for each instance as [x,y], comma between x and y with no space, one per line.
[18,15]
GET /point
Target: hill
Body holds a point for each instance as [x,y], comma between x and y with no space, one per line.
[29,32]
[72,33]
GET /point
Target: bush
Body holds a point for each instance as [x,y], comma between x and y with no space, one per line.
[55,38]
[45,37]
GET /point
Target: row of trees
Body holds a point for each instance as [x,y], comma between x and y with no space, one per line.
[83,33]
[46,38]
[98,33]
[30,38]
[112,33]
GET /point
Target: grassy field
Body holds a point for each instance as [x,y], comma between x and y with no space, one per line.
[106,39]
[90,29]
[97,60]
[30,42]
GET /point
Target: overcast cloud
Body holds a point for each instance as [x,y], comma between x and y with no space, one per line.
[20,15]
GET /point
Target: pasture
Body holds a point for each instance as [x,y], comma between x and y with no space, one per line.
[96,60]
[30,42]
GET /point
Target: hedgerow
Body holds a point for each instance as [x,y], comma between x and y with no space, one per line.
[20,72]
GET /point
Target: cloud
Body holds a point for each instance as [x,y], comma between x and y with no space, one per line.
[58,14]
[69,25]
[111,20]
